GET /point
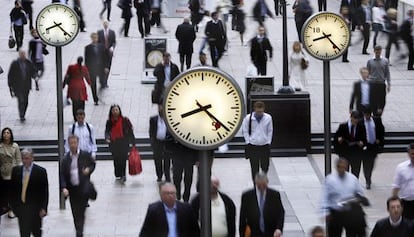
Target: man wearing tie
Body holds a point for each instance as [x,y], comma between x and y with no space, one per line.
[261,210]
[349,140]
[30,195]
[107,37]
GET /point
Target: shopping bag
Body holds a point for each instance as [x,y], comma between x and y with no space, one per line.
[134,162]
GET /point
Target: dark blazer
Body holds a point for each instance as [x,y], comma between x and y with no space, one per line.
[383,228]
[111,38]
[143,8]
[16,80]
[185,35]
[274,213]
[230,212]
[215,32]
[258,50]
[37,192]
[94,59]
[155,223]
[85,160]
[159,84]
[349,148]
[356,97]
[379,135]
[157,145]
[257,13]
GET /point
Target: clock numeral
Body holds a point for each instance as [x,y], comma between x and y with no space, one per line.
[316,30]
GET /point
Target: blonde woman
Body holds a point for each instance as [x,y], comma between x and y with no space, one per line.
[297,76]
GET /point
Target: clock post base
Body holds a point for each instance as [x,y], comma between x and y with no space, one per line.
[286,90]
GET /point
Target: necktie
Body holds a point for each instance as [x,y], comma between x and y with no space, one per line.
[106,40]
[261,206]
[352,132]
[26,177]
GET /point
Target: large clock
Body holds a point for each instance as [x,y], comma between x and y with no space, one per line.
[57,24]
[203,108]
[326,35]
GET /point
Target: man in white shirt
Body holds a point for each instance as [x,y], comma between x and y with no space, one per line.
[257,130]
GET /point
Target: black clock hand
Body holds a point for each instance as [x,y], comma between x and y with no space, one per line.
[212,116]
[195,111]
[55,25]
[322,37]
[333,44]
[64,32]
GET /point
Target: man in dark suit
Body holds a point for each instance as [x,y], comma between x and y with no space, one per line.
[361,93]
[143,14]
[185,35]
[258,51]
[20,81]
[165,72]
[363,17]
[169,217]
[406,36]
[349,140]
[107,37]
[216,37]
[375,142]
[94,60]
[262,210]
[30,195]
[352,6]
[75,185]
[260,10]
[158,135]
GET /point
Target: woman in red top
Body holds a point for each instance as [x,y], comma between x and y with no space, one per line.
[119,134]
[74,78]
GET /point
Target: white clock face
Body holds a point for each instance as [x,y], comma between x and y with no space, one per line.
[203,108]
[325,35]
[57,24]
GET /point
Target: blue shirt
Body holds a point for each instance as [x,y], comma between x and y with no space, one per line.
[171,214]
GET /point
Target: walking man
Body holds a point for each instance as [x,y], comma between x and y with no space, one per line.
[185,35]
[36,50]
[107,37]
[216,37]
[258,51]
[143,13]
[95,62]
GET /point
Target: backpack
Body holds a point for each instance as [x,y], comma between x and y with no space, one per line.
[89,130]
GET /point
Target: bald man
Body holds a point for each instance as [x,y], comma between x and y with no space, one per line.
[185,35]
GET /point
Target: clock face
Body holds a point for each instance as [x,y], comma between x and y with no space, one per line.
[154,57]
[325,35]
[203,108]
[57,24]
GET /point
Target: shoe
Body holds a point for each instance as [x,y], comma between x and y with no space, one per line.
[345,60]
[159,180]
[368,186]
[22,119]
[123,179]
[11,215]
[37,88]
[366,53]
[410,68]
[96,103]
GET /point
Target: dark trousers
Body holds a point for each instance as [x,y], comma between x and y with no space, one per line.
[379,93]
[80,14]
[365,34]
[78,205]
[180,166]
[187,58]
[368,161]
[355,164]
[27,7]
[143,29]
[156,17]
[216,51]
[353,222]
[125,27]
[409,43]
[162,161]
[106,7]
[22,102]
[119,149]
[77,104]
[258,156]
[408,211]
[376,27]
[18,34]
[94,73]
[261,67]
[29,221]
[392,39]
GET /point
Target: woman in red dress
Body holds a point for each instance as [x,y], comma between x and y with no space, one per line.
[74,78]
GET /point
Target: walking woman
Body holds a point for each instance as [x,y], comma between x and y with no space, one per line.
[9,157]
[18,19]
[74,78]
[297,75]
[119,134]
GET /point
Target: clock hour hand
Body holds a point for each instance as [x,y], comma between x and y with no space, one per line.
[213,118]
[64,31]
[195,111]
[51,27]
[333,44]
[322,37]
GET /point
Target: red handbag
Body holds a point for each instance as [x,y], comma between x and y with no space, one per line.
[134,162]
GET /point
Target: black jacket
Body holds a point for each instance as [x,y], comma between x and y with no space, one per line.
[356,97]
[85,160]
[159,84]
[185,35]
[383,228]
[258,50]
[348,148]
[19,81]
[95,59]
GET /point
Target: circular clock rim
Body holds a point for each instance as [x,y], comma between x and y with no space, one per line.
[227,77]
[315,15]
[53,43]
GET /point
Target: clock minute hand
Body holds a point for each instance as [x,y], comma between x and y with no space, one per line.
[195,111]
[322,37]
[64,31]
[212,116]
[333,44]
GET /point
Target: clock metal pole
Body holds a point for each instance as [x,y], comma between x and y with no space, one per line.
[205,201]
[59,101]
[327,115]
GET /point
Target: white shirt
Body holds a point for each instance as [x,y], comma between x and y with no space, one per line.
[218,218]
[364,92]
[161,129]
[85,143]
[74,172]
[378,14]
[404,180]
[261,132]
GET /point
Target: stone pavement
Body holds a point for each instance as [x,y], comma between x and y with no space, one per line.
[119,210]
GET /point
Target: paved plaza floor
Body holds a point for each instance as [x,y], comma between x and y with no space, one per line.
[119,210]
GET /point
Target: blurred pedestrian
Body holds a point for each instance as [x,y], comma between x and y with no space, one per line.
[364,20]
[317,231]
[197,12]
[341,203]
[78,9]
[74,78]
[261,210]
[238,24]
[260,10]
[158,135]
[403,184]
[96,63]
[391,28]
[257,129]
[361,96]
[107,6]
[202,58]
[27,7]
[394,224]
[10,157]
[107,37]
[169,217]
[349,140]
[126,14]
[20,76]
[216,37]
[119,134]
[165,72]
[223,211]
[303,11]
[406,36]
[259,50]
[143,10]
[85,133]
[344,12]
[185,35]
[18,19]
[156,10]
[378,16]
[297,75]
[30,195]
[36,51]
[75,173]
[352,5]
